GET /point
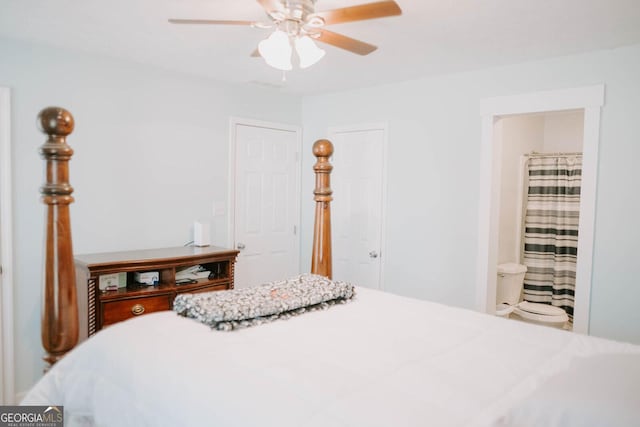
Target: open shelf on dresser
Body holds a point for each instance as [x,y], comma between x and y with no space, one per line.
[100,308]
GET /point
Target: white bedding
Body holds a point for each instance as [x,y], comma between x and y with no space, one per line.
[381,360]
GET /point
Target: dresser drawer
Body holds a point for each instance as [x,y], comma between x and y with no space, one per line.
[116,311]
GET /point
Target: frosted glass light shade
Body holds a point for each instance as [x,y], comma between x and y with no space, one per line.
[308,52]
[276,50]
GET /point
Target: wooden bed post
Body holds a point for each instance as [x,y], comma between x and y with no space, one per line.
[59,303]
[321,256]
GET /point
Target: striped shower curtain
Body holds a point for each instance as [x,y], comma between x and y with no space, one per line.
[551,230]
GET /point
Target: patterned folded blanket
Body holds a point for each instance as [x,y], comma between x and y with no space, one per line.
[241,308]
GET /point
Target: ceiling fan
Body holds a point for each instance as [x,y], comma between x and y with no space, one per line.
[297,22]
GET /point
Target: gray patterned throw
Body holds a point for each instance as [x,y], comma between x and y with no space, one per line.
[241,308]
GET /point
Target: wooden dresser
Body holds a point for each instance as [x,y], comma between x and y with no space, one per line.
[99,308]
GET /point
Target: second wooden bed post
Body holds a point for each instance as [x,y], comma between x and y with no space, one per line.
[59,301]
[321,255]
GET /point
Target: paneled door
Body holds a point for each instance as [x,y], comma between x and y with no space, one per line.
[266,205]
[358,209]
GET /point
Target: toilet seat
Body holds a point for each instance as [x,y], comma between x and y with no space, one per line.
[541,313]
[535,313]
[543,309]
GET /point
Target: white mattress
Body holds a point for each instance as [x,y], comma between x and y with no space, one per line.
[381,360]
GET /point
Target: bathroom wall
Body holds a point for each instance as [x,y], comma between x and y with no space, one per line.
[517,135]
[563,132]
[560,131]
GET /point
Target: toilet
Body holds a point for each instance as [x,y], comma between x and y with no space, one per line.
[509,304]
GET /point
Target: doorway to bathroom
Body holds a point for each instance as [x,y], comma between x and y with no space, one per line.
[556,121]
[539,206]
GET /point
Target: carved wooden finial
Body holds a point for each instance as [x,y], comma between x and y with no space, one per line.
[55,121]
[59,304]
[323,148]
[321,256]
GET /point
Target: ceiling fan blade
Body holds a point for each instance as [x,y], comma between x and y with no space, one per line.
[211,21]
[361,12]
[346,43]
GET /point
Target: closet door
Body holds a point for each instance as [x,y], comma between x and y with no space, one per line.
[266,208]
[357,209]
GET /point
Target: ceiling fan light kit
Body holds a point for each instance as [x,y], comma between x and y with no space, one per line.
[296,22]
[276,50]
[308,52]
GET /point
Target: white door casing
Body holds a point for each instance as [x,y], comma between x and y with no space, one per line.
[6,254]
[264,200]
[358,210]
[590,99]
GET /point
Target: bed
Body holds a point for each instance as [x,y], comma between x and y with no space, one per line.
[377,360]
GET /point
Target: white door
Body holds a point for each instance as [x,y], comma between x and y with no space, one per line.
[357,210]
[266,207]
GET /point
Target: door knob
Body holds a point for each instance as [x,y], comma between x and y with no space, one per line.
[373,254]
[240,246]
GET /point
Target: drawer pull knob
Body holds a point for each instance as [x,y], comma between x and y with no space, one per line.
[137,309]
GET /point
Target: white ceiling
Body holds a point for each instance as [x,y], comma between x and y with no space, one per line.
[431,36]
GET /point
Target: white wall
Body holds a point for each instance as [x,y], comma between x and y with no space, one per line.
[150,157]
[433,174]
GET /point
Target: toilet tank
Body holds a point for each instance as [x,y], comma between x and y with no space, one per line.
[510,282]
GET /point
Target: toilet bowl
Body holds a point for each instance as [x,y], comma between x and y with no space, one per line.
[504,310]
[509,304]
